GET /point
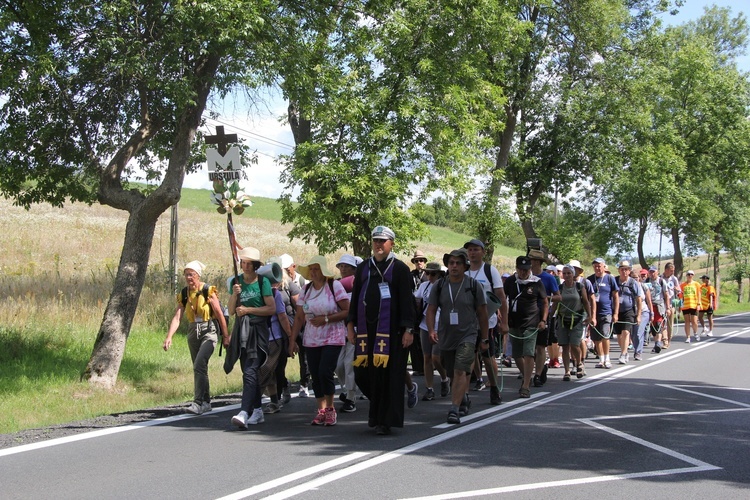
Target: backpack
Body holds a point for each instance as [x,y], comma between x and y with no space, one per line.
[224,309]
[631,283]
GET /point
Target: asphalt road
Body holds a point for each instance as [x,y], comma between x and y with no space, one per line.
[675,425]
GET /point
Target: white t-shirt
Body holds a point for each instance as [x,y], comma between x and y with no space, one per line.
[497,282]
[423,292]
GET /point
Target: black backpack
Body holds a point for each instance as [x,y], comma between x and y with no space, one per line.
[205,297]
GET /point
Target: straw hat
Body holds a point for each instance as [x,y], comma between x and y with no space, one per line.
[321,261]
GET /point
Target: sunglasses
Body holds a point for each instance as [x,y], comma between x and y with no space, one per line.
[420,260]
[431,273]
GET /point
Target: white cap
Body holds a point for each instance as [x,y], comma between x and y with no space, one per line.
[348,260]
[286,260]
[196,266]
[691,272]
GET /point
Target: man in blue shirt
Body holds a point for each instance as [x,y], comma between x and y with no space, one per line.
[607,295]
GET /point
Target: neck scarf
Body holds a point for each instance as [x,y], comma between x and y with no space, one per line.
[381,348]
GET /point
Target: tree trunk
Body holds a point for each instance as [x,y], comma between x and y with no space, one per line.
[642,227]
[678,263]
[109,348]
[717,269]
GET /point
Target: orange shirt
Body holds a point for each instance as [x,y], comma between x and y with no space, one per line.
[708,296]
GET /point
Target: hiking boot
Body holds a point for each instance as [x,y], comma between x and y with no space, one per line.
[412,398]
[256,417]
[429,395]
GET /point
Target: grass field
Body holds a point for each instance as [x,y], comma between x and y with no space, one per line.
[57,268]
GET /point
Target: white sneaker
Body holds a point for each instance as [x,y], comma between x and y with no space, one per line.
[256,417]
[240,420]
[303,392]
[709,333]
[205,407]
[687,340]
[623,359]
[697,337]
[607,365]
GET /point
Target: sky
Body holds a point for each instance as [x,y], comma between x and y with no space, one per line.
[266,133]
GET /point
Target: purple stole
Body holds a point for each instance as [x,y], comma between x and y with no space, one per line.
[382,346]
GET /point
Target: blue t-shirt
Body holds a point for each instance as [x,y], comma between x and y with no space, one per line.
[276,331]
[550,283]
[604,287]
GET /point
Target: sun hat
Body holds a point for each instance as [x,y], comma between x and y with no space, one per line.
[418,255]
[347,259]
[250,253]
[458,252]
[536,255]
[358,260]
[384,233]
[196,266]
[433,266]
[624,263]
[552,267]
[304,269]
[575,264]
[559,267]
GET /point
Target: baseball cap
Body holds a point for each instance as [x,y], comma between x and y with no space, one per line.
[476,242]
[653,268]
[705,277]
[523,262]
[599,260]
[691,272]
[383,233]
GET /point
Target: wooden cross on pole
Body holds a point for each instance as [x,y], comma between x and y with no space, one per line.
[221,139]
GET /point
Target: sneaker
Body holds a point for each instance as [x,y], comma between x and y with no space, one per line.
[303,392]
[285,396]
[607,365]
[412,398]
[272,408]
[445,388]
[205,407]
[622,360]
[555,363]
[349,406]
[429,395]
[495,398]
[240,420]
[709,333]
[342,397]
[194,408]
[637,356]
[697,337]
[330,416]
[506,362]
[479,385]
[657,348]
[256,417]
[320,418]
[543,375]
[687,340]
[453,417]
[537,381]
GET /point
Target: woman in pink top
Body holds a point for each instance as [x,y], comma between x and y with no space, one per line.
[322,307]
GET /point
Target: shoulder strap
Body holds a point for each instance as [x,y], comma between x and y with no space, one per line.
[184,294]
[488,273]
[205,292]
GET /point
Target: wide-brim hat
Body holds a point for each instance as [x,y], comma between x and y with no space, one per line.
[458,252]
[575,264]
[536,255]
[624,263]
[304,270]
[418,255]
[249,253]
[433,266]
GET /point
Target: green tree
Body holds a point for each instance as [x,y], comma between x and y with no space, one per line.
[91,90]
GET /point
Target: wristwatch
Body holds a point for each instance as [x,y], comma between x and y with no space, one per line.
[485,341]
[326,319]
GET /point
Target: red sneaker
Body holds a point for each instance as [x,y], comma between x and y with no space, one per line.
[320,418]
[330,416]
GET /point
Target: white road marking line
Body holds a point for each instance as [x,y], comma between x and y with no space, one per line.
[489,411]
[678,388]
[293,477]
[565,482]
[106,432]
